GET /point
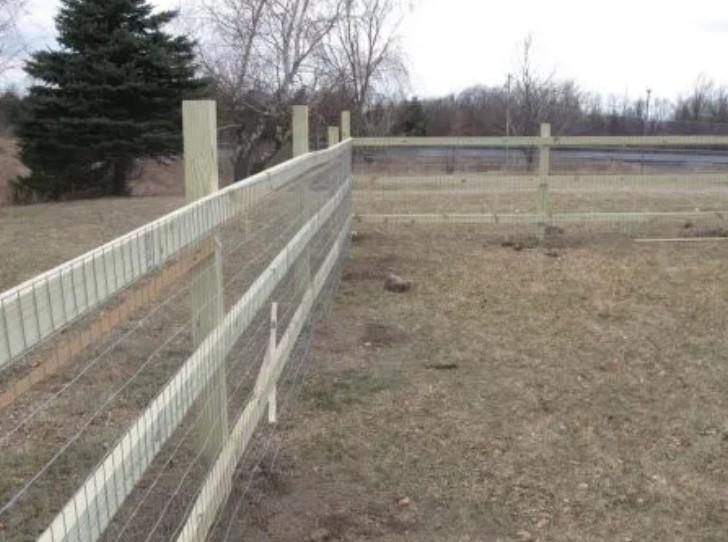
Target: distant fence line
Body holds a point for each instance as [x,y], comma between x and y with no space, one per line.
[520,180]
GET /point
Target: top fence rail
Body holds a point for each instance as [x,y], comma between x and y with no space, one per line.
[552,141]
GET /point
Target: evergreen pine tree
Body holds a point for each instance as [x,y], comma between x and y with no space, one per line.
[413,121]
[111,93]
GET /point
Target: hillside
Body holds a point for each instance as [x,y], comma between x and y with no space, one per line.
[149,177]
[10,167]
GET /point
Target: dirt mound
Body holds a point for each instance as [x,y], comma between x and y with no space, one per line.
[10,168]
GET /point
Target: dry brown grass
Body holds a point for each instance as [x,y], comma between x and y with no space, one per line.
[513,395]
[37,238]
[569,393]
[472,193]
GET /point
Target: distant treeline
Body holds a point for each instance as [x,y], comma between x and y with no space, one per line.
[491,111]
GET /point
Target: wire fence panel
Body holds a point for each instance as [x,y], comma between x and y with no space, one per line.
[105,394]
[46,304]
[662,185]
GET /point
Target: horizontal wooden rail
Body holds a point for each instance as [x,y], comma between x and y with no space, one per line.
[47,364]
[217,486]
[485,180]
[554,141]
[90,510]
[516,218]
[46,304]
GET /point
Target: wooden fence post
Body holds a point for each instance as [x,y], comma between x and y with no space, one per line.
[206,289]
[333,136]
[544,170]
[345,125]
[300,130]
[303,190]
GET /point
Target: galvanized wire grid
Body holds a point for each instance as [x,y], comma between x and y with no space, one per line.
[640,186]
[111,427]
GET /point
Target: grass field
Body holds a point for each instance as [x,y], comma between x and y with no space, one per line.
[565,394]
[36,238]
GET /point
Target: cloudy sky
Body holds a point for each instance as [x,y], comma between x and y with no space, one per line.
[613,47]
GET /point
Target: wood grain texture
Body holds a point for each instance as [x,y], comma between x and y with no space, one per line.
[206,287]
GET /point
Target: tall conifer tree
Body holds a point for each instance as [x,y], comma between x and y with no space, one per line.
[110,93]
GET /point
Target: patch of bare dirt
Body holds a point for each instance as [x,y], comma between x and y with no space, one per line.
[161,177]
[370,268]
[381,336]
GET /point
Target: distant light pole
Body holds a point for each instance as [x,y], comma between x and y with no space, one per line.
[508,120]
[508,106]
[646,129]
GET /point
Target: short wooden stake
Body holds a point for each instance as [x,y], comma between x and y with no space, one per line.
[273,359]
[206,290]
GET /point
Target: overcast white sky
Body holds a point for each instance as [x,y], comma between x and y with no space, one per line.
[610,46]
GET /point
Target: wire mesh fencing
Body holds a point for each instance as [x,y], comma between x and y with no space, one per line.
[663,186]
[132,379]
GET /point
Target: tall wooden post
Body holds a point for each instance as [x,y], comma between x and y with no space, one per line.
[544,170]
[206,289]
[303,190]
[300,130]
[345,125]
[333,136]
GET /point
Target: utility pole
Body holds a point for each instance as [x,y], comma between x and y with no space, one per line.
[508,106]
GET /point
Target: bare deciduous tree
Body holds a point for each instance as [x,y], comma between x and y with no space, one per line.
[541,98]
[10,46]
[363,56]
[261,55]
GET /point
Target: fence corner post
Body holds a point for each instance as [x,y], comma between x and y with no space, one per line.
[206,283]
[345,125]
[300,130]
[333,138]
